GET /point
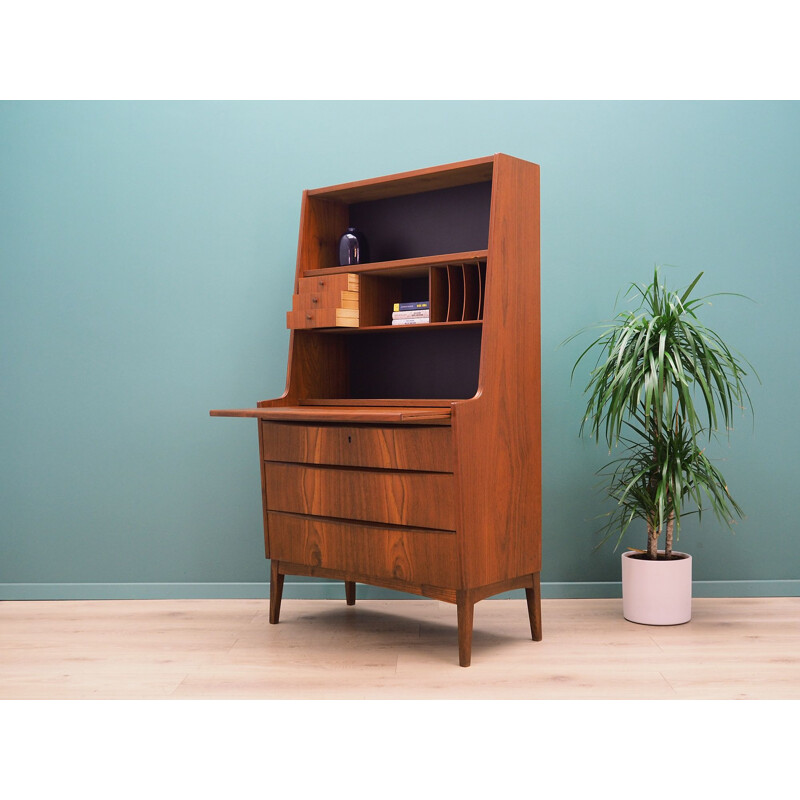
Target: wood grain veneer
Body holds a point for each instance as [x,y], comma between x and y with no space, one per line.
[498,434]
[398,448]
[414,556]
[336,413]
[420,499]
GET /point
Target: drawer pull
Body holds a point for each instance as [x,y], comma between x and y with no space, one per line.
[309,316]
[314,299]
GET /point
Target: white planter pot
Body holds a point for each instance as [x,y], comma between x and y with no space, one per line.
[657,592]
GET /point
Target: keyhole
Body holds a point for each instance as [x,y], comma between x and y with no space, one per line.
[349,439]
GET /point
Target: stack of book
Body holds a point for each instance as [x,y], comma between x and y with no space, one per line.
[416,313]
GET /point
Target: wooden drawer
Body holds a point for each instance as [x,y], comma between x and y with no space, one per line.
[344,282]
[415,556]
[417,448]
[310,300]
[420,499]
[322,318]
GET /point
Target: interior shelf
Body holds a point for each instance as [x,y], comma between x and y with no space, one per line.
[470,323]
[380,401]
[452,286]
[399,267]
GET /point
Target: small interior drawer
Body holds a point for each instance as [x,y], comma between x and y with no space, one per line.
[311,300]
[322,318]
[415,556]
[401,448]
[419,499]
[343,282]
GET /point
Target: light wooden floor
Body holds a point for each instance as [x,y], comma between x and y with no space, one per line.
[394,649]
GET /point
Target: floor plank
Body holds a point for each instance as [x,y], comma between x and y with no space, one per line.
[742,648]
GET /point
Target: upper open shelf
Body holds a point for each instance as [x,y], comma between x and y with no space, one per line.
[409,220]
[477,170]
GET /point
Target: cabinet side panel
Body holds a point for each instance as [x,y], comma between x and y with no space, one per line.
[315,367]
[318,366]
[322,223]
[263,490]
[498,434]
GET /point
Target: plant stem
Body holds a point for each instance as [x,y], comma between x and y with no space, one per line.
[652,541]
[668,542]
[653,528]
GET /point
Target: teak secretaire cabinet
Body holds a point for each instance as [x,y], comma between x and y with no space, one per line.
[409,456]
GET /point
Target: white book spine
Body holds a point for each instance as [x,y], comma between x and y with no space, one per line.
[412,321]
[410,314]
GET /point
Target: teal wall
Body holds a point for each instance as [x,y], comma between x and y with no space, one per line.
[147,253]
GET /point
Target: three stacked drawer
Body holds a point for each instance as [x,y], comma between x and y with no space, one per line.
[367,500]
[328,302]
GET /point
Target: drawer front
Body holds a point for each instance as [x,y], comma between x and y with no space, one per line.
[344,282]
[414,556]
[322,318]
[418,448]
[311,300]
[419,499]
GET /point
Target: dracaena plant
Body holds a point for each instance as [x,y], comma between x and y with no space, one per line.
[662,387]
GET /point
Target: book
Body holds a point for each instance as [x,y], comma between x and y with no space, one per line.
[412,321]
[411,306]
[420,312]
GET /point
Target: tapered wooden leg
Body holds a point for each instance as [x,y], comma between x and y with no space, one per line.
[465,607]
[275,592]
[350,592]
[533,595]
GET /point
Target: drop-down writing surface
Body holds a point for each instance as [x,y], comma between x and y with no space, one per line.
[384,415]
